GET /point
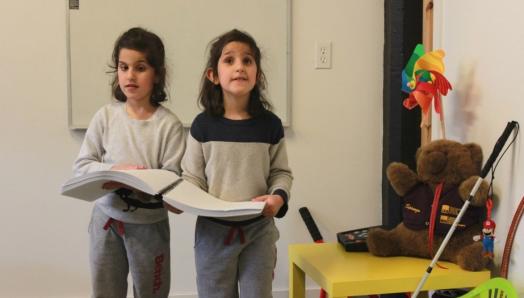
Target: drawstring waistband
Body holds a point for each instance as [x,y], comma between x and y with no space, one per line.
[235,228]
[231,234]
[119,226]
[233,223]
[133,204]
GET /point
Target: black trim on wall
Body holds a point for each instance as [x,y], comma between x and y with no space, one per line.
[402,31]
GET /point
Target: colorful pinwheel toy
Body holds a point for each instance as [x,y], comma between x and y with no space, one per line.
[423,80]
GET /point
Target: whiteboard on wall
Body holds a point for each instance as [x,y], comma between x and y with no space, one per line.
[186,27]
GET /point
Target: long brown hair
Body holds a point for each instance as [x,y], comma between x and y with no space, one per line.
[152,47]
[211,97]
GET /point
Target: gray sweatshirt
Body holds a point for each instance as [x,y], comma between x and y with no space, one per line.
[114,138]
[237,160]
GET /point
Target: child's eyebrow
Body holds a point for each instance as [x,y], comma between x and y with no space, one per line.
[247,53]
[134,62]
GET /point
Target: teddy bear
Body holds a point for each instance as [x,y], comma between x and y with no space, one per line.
[452,169]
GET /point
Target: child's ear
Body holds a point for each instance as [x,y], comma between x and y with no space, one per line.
[210,74]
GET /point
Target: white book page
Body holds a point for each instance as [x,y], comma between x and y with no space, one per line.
[190,198]
[151,181]
[89,187]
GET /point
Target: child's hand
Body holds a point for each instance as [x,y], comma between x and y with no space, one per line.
[116,185]
[273,204]
[172,209]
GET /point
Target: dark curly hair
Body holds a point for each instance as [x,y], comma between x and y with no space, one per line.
[211,97]
[151,45]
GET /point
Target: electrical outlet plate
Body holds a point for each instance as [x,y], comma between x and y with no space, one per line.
[323,55]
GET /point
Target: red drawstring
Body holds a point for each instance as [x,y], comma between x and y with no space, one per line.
[489,206]
[433,219]
[119,226]
[231,234]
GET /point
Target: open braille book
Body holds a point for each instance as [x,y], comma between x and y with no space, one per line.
[161,183]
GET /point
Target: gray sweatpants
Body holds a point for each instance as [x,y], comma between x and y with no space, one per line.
[227,270]
[143,250]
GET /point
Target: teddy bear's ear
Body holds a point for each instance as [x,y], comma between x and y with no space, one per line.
[476,154]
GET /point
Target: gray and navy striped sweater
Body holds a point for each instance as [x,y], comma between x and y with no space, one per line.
[237,160]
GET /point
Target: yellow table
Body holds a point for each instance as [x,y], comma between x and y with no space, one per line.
[342,273]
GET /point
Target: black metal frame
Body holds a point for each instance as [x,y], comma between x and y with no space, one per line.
[402,31]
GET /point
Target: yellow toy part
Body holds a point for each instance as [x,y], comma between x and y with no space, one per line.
[431,61]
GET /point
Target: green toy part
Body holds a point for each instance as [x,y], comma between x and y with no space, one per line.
[497,287]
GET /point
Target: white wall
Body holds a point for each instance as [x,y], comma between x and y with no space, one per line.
[334,144]
[484,45]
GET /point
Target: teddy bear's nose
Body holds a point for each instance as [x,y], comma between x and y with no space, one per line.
[437,162]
